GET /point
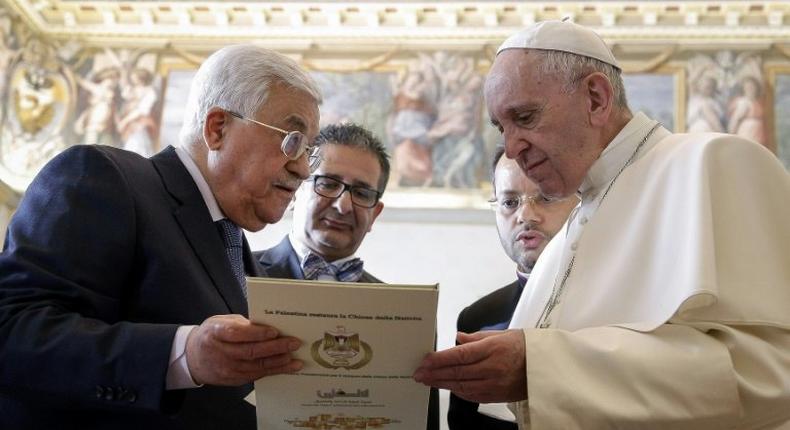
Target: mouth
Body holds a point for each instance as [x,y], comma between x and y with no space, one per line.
[531,239]
[336,224]
[288,187]
[530,158]
[530,167]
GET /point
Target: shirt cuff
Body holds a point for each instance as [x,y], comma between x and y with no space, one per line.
[178,376]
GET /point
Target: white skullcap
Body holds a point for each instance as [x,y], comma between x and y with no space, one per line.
[562,36]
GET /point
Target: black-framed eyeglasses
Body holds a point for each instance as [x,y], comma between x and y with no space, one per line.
[294,144]
[329,187]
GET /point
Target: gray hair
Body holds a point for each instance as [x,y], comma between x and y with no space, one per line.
[238,78]
[571,68]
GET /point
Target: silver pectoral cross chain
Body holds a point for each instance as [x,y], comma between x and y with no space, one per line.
[556,293]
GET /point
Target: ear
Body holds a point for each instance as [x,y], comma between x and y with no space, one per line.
[214,127]
[600,98]
[376,212]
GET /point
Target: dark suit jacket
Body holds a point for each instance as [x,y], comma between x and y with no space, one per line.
[495,309]
[107,255]
[282,262]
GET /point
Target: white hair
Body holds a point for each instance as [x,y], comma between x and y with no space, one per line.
[238,78]
[571,68]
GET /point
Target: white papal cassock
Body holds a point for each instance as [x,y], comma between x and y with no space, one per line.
[676,312]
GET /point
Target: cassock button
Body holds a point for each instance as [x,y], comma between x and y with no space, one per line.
[574,245]
[109,393]
[583,220]
[130,396]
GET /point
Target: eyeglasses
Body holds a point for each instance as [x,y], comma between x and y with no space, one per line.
[509,204]
[294,143]
[329,187]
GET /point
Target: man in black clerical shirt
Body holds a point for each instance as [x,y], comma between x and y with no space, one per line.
[526,222]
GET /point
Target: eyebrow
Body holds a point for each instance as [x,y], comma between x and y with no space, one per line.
[510,192]
[530,108]
[296,123]
[354,183]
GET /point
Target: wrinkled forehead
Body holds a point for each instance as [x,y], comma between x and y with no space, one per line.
[511,68]
[510,179]
[300,112]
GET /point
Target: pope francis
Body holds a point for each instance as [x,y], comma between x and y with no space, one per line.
[664,303]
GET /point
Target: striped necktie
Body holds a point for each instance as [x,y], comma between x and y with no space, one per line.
[231,237]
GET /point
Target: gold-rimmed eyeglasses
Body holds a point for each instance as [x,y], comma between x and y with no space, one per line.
[508,204]
[294,144]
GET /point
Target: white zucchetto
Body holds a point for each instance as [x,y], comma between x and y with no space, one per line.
[563,36]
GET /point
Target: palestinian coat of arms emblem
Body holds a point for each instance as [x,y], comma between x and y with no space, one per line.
[341,348]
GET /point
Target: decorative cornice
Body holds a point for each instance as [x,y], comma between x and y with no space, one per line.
[333,25]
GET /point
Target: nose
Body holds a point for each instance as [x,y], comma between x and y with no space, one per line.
[299,167]
[343,202]
[529,212]
[514,144]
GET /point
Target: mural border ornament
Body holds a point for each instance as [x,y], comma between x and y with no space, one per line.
[779,121]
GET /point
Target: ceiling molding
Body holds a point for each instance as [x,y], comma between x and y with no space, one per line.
[300,25]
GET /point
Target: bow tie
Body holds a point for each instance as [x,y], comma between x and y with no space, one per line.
[315,266]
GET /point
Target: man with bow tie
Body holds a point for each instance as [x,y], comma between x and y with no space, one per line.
[333,211]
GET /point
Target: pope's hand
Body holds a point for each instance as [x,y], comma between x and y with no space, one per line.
[231,350]
[486,367]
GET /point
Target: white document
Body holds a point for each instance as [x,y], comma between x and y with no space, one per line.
[361,344]
[499,411]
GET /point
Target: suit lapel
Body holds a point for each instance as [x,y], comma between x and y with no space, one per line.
[282,261]
[193,217]
[368,278]
[251,267]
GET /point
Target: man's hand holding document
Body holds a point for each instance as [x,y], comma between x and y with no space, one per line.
[360,345]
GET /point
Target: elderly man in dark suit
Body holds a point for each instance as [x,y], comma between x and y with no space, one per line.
[525,223]
[329,223]
[122,292]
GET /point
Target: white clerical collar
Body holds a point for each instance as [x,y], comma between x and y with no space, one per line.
[200,181]
[302,250]
[616,154]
